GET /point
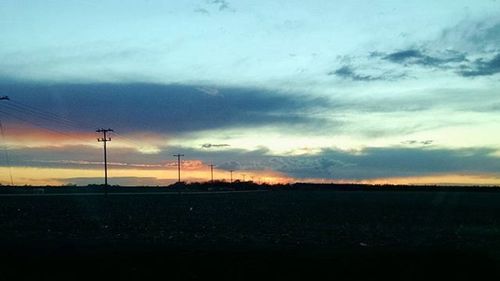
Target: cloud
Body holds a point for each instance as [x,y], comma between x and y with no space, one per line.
[465,48]
[159,108]
[84,157]
[208,91]
[210,145]
[202,11]
[230,165]
[471,35]
[416,142]
[372,163]
[456,61]
[222,4]
[348,73]
[369,163]
[414,159]
[420,57]
[483,67]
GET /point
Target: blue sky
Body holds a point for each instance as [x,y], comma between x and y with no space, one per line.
[351,86]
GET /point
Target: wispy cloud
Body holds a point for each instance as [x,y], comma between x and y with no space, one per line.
[221,4]
[420,57]
[348,73]
[471,35]
[202,11]
[482,67]
[216,145]
[417,142]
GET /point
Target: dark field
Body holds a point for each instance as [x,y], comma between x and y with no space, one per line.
[293,234]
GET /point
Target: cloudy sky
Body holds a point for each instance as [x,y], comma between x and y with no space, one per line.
[280,91]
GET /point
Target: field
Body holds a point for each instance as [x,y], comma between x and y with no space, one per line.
[284,234]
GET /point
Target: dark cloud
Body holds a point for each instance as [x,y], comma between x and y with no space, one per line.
[218,145]
[483,67]
[416,142]
[420,159]
[403,56]
[370,163]
[420,57]
[158,108]
[221,4]
[448,60]
[230,165]
[460,42]
[374,163]
[348,73]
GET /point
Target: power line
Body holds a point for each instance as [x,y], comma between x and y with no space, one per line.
[27,115]
[66,123]
[29,111]
[33,112]
[41,126]
[45,116]
[128,140]
[61,121]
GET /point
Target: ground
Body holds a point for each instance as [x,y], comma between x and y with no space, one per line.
[285,234]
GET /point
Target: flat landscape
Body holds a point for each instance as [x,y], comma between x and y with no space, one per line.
[294,234]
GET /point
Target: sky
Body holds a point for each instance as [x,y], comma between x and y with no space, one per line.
[365,91]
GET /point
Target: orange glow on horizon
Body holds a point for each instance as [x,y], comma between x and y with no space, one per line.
[60,176]
[167,175]
[442,179]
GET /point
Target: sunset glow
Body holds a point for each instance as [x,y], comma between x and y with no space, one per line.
[398,92]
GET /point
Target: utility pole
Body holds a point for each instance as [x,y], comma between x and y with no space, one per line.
[105,139]
[178,166]
[5,147]
[243,176]
[231,173]
[212,172]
